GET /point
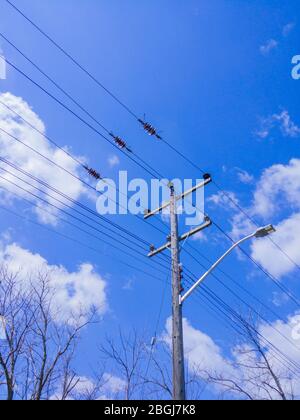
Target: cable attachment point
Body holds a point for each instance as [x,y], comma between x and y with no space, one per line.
[181,278]
[120,142]
[150,129]
[93,173]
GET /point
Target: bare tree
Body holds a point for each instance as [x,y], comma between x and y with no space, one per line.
[145,369]
[36,354]
[127,356]
[16,310]
[256,373]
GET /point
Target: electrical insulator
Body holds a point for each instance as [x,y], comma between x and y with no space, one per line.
[206,177]
[120,142]
[92,172]
[150,129]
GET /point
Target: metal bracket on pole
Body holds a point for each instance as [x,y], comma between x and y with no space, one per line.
[192,232]
[207,179]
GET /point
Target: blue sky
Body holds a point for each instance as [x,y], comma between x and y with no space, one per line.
[215,78]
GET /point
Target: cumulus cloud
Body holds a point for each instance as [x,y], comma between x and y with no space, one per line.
[244,176]
[275,198]
[268,47]
[288,239]
[283,121]
[279,186]
[278,191]
[200,349]
[76,293]
[113,161]
[226,199]
[30,162]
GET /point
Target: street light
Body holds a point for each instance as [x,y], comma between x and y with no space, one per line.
[259,233]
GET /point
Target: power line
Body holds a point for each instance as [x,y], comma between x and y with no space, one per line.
[132,113]
[26,191]
[235,282]
[252,309]
[77,161]
[182,156]
[77,203]
[63,203]
[40,133]
[238,318]
[74,225]
[29,192]
[144,168]
[75,218]
[57,100]
[75,240]
[74,61]
[82,120]
[68,172]
[284,289]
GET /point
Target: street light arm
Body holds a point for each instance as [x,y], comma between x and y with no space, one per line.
[197,284]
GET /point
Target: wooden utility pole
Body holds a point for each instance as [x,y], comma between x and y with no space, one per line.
[173,244]
[177,331]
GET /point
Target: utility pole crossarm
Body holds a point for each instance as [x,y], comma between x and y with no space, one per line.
[183,237]
[207,180]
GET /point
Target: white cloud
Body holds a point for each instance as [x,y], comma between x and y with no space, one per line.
[287,126]
[290,329]
[224,199]
[268,47]
[113,384]
[200,349]
[278,187]
[244,176]
[288,238]
[75,293]
[200,236]
[83,387]
[287,29]
[204,355]
[280,299]
[31,162]
[277,195]
[113,161]
[282,120]
[128,286]
[276,199]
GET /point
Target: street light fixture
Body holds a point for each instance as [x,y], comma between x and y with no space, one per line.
[265,231]
[259,233]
